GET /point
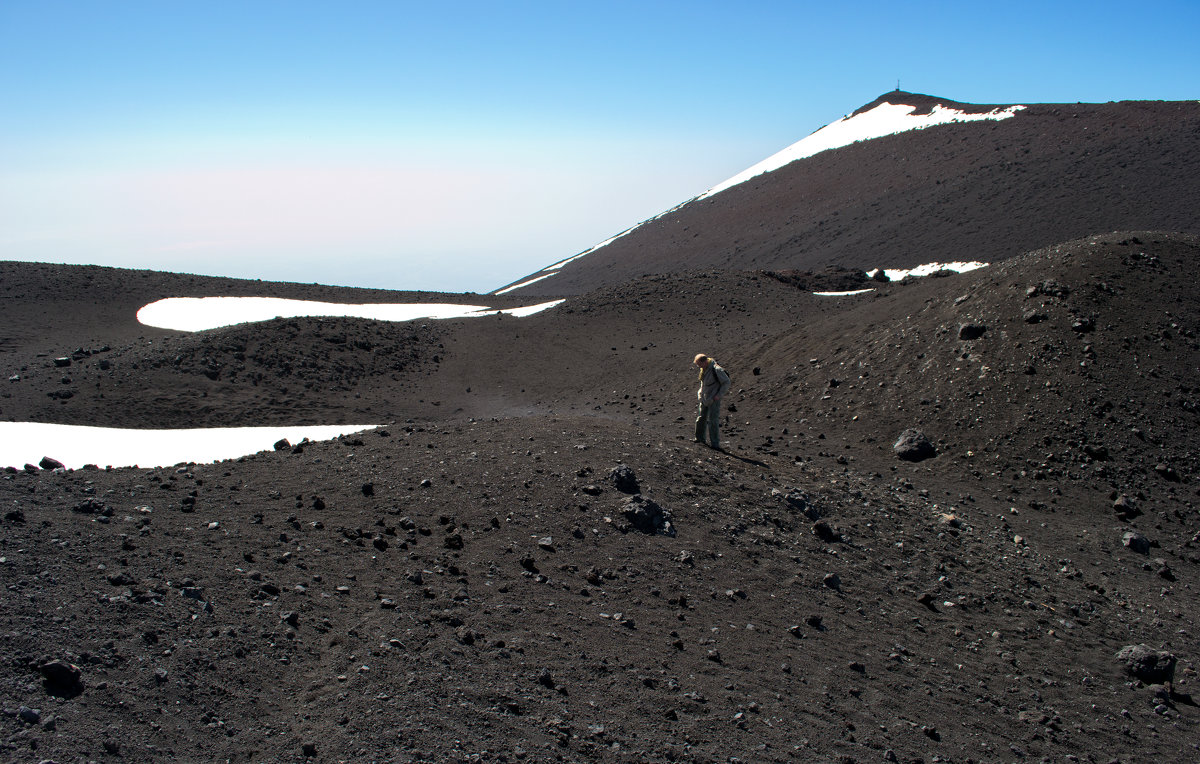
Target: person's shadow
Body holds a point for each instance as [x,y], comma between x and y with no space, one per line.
[745,459]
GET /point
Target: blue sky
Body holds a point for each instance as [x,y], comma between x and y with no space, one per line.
[458,146]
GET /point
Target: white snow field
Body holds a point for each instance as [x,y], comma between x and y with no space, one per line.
[194,314]
[885,119]
[27,442]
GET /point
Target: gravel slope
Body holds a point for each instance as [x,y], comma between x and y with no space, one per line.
[469,582]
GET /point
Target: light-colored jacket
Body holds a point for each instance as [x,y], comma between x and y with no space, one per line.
[714,382]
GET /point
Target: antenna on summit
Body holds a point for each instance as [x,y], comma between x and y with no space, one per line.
[897,84]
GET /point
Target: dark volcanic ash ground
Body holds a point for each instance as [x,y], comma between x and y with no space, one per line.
[473,582]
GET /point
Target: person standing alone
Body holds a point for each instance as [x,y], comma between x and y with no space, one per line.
[714,385]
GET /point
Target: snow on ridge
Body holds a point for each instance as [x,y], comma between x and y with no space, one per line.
[551,270]
[884,119]
[194,314]
[525,283]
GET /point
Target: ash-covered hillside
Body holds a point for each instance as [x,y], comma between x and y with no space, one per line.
[530,561]
[977,190]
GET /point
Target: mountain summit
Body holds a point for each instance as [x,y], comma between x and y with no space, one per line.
[908,179]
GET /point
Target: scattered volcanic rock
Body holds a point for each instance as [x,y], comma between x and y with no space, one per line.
[826,533]
[93,507]
[1167,472]
[797,500]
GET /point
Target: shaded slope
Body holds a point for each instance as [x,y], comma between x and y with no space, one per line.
[1085,365]
[977,191]
[301,370]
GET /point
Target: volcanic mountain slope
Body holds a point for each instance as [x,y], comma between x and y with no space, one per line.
[475,581]
[985,190]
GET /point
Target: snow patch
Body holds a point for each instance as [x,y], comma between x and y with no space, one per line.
[895,274]
[528,310]
[194,314]
[27,442]
[843,294]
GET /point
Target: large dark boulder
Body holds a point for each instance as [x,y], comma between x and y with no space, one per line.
[624,479]
[971,331]
[61,678]
[913,446]
[1126,508]
[1136,542]
[1147,664]
[647,516]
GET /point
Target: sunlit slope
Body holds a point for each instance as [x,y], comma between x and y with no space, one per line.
[987,183]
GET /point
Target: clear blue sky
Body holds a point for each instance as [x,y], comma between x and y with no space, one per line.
[460,145]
